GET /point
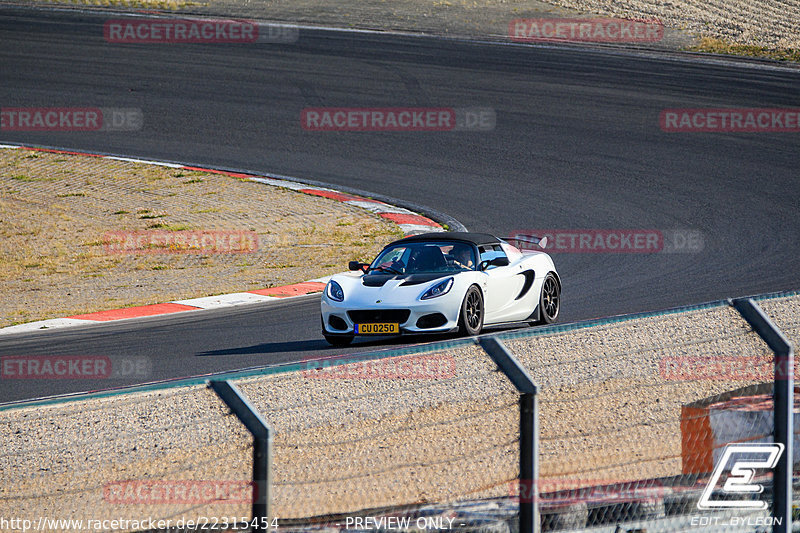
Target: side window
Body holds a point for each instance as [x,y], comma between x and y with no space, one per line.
[499,250]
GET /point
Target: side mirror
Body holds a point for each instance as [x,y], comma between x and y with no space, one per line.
[497,261]
[355,265]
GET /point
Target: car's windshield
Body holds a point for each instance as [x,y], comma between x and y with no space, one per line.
[419,257]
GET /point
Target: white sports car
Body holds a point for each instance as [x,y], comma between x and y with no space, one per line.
[438,283]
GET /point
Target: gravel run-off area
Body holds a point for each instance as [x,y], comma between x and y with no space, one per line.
[428,427]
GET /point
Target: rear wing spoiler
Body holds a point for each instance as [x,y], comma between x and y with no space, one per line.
[528,239]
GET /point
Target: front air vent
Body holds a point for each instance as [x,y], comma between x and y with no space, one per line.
[337,322]
[433,320]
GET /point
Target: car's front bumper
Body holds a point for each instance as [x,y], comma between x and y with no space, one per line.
[422,317]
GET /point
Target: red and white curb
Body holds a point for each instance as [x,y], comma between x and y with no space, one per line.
[408,221]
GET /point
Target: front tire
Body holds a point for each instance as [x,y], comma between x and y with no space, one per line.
[549,300]
[470,321]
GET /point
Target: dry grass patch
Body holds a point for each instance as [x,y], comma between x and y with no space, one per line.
[719,46]
[55,258]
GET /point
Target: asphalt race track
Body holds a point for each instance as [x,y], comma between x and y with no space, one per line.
[577,144]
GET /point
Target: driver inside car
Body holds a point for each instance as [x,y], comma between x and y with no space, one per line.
[426,259]
[462,257]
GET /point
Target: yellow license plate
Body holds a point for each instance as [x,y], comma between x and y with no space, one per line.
[378,329]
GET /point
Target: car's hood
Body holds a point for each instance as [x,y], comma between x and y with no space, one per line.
[380,279]
[370,288]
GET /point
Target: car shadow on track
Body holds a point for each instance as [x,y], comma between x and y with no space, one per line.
[320,345]
[270,348]
[359,345]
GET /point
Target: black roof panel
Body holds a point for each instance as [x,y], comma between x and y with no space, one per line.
[474,238]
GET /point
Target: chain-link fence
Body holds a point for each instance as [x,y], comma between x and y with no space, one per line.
[634,414]
[158,455]
[633,426]
[371,434]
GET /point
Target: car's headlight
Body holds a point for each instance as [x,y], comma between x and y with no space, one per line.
[334,291]
[443,287]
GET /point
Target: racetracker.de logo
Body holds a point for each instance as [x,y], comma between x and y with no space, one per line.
[397,119]
[745,120]
[73,367]
[718,368]
[179,492]
[595,240]
[430,366]
[607,241]
[181,242]
[594,30]
[189,31]
[70,119]
[566,490]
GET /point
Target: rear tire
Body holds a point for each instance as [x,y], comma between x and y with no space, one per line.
[470,320]
[338,340]
[549,300]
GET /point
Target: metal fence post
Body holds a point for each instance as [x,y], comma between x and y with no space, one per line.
[529,520]
[783,393]
[262,446]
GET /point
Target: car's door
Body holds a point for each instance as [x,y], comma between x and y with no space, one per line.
[503,284]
